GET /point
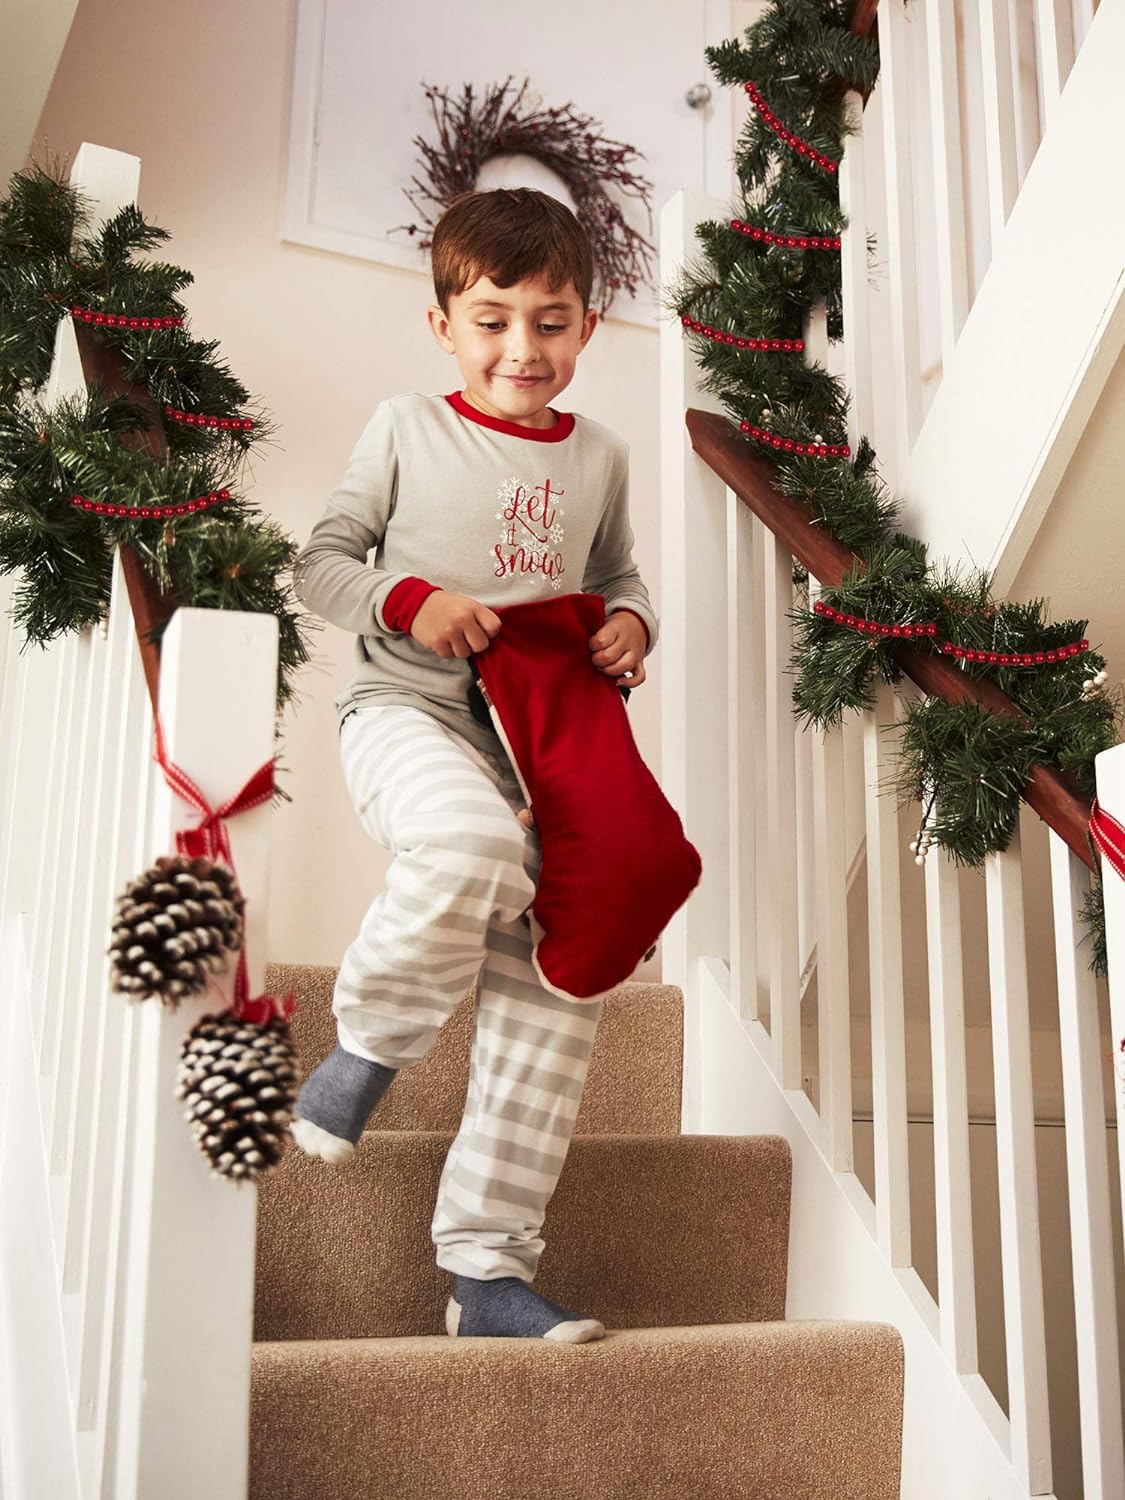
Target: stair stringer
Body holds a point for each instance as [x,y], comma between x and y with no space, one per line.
[955,1435]
[1040,341]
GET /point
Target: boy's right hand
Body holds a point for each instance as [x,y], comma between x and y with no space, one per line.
[454,625]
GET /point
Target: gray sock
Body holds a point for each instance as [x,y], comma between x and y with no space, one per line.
[507,1307]
[341,1093]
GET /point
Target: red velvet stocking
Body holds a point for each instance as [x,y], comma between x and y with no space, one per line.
[616,864]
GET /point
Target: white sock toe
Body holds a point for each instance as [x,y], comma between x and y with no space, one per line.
[314,1141]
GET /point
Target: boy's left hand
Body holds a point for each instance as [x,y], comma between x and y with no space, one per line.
[619,647]
[617,650]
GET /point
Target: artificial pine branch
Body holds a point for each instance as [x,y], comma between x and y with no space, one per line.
[225,557]
[802,56]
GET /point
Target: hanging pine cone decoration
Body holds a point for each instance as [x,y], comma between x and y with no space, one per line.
[173,926]
[239,1082]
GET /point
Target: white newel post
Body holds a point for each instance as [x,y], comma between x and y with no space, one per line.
[696,630]
[188,1316]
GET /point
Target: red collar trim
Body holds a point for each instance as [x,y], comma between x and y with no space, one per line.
[562,428]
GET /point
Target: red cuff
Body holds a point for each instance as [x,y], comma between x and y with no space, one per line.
[633,612]
[405,600]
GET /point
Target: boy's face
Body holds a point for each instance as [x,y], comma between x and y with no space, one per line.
[498,333]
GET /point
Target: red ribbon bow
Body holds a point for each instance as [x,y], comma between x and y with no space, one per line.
[209,838]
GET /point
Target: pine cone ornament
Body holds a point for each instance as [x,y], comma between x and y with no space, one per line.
[239,1081]
[173,926]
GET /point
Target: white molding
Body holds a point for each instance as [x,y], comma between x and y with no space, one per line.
[1043,335]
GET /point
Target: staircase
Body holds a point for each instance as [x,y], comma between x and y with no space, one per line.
[678,1243]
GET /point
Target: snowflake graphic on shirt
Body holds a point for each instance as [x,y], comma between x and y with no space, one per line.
[531,532]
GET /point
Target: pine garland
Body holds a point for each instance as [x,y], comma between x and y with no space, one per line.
[968,763]
[228,556]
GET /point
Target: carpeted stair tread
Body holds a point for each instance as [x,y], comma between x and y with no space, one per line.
[633,1084]
[803,1410]
[641,1231]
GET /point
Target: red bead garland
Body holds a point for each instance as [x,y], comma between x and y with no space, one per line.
[790,241]
[147,512]
[872,627]
[790,445]
[215,424]
[123,320]
[785,346]
[801,147]
[948,648]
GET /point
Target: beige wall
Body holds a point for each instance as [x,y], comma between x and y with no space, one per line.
[200,93]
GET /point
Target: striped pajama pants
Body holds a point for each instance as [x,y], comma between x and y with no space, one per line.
[463,875]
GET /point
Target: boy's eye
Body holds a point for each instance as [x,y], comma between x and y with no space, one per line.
[547,327]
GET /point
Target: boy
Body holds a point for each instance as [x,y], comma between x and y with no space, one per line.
[484,497]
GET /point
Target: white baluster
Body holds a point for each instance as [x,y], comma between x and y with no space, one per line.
[1017,1173]
[956,1287]
[1054,30]
[834,1030]
[68,1002]
[94,842]
[781,812]
[888,1019]
[999,113]
[855,291]
[894,85]
[1087,1175]
[949,194]
[744,694]
[95,1265]
[694,645]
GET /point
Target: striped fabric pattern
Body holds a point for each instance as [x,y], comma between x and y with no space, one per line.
[463,876]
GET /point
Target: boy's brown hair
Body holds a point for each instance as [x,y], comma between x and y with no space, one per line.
[507,234]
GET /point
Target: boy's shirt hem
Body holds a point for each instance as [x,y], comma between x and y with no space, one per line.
[406,599]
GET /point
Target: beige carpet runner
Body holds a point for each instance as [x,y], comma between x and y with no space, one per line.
[678,1243]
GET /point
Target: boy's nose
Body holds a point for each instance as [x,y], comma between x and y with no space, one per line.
[523,348]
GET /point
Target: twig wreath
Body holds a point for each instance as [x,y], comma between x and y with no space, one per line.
[570,144]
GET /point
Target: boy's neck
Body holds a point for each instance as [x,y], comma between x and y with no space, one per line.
[543,418]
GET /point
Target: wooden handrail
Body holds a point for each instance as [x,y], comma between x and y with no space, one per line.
[1051,793]
[864,17]
[104,365]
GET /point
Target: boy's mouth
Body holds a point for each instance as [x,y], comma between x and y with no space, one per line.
[523,380]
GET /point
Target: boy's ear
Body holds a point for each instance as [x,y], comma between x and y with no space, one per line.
[439,324]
